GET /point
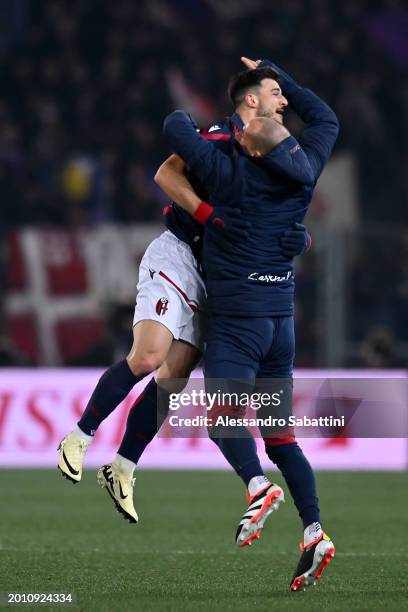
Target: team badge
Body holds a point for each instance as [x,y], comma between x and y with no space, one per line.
[162,306]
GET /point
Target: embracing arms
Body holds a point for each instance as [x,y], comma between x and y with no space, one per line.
[171,177]
[215,170]
[211,166]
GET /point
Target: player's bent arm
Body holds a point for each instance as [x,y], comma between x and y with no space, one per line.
[320,134]
[322,128]
[172,180]
[211,166]
[289,160]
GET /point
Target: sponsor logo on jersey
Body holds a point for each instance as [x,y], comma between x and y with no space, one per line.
[270,278]
[162,306]
[152,273]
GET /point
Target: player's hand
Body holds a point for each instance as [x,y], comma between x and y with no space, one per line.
[223,222]
[251,64]
[295,241]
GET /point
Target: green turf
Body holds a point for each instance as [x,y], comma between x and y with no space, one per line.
[55,536]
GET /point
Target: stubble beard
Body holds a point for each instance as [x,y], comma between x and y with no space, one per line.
[263,112]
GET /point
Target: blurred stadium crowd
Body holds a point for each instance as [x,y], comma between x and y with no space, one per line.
[86,85]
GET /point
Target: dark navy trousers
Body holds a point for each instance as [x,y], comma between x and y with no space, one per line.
[240,353]
[250,348]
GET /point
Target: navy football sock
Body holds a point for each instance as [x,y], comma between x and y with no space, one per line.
[113,386]
[299,477]
[241,454]
[144,421]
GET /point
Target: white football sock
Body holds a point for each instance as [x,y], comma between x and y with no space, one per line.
[124,465]
[312,533]
[80,434]
[256,484]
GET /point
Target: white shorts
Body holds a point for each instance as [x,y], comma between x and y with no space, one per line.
[170,289]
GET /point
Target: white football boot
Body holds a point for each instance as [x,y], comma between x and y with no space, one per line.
[314,559]
[72,451]
[260,506]
[119,484]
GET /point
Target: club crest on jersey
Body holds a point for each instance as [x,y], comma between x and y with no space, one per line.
[162,306]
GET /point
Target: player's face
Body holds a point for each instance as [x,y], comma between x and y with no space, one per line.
[271,101]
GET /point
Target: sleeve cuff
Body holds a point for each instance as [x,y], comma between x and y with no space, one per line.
[289,85]
[202,213]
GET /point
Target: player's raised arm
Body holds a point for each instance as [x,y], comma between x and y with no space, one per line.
[212,167]
[322,126]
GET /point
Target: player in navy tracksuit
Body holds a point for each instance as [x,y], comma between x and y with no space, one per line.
[251,288]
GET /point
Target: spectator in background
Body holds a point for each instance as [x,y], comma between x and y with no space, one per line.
[80,82]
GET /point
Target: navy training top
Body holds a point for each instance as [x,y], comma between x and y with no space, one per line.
[254,278]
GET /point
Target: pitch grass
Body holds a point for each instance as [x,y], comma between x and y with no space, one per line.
[58,537]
